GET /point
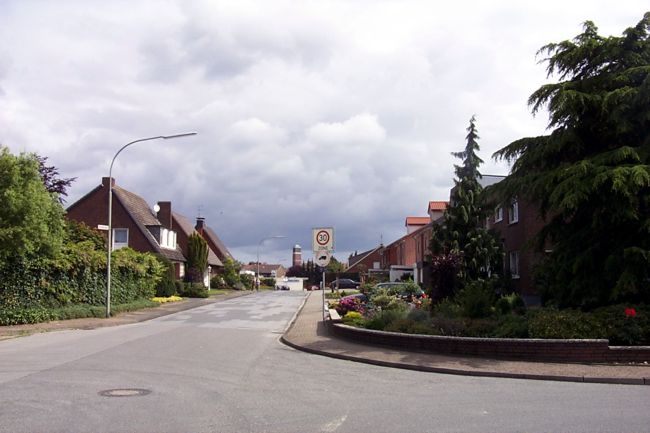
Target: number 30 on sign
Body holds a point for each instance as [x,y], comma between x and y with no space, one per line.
[323,239]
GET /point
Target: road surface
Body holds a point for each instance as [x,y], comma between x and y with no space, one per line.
[221,368]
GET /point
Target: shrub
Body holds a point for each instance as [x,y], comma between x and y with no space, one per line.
[381,319]
[476,299]
[354,318]
[247,280]
[511,326]
[552,323]
[350,304]
[622,329]
[447,308]
[166,286]
[512,303]
[450,326]
[190,290]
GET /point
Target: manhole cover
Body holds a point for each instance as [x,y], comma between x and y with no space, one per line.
[124,392]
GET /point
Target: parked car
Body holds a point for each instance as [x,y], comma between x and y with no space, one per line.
[345,283]
[405,291]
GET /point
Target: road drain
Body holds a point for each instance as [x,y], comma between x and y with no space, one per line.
[124,392]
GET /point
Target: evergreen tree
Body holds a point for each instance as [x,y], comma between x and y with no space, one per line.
[462,232]
[590,177]
[197,257]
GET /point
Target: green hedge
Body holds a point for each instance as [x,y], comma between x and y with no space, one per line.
[77,276]
[22,316]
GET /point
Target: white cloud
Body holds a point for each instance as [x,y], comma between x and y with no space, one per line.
[309,113]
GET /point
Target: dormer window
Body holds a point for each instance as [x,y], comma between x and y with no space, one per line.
[168,238]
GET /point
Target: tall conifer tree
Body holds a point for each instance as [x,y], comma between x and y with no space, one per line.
[462,232]
[590,177]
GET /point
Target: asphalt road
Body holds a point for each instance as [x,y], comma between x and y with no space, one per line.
[221,368]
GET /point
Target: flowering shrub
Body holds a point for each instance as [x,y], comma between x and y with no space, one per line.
[162,300]
[350,304]
[630,312]
[354,318]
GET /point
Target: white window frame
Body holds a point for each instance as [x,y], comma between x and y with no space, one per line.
[118,245]
[513,261]
[513,212]
[498,214]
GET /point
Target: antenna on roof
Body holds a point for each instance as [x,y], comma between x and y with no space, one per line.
[199,210]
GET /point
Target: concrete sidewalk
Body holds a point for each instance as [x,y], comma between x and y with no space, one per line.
[308,333]
[119,319]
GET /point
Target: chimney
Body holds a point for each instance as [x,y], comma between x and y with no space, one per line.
[105,181]
[164,214]
[200,223]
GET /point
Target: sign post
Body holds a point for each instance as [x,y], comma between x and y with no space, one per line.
[323,246]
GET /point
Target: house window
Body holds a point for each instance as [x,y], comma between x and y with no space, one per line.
[514,264]
[513,212]
[181,270]
[168,239]
[120,238]
[375,265]
[498,214]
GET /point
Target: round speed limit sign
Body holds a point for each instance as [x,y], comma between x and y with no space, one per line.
[322,238]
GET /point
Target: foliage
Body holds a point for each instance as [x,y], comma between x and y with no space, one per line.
[31,218]
[354,318]
[197,258]
[190,290]
[230,273]
[166,286]
[590,177]
[476,299]
[247,281]
[166,299]
[51,180]
[20,316]
[512,303]
[269,282]
[462,232]
[444,275]
[551,323]
[349,304]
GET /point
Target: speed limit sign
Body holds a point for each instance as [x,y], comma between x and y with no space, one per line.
[323,239]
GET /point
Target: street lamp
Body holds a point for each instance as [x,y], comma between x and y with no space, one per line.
[110,209]
[257,283]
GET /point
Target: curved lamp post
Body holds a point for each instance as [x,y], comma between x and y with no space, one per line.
[110,209]
[257,283]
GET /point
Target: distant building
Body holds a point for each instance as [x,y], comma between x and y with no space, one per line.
[297,256]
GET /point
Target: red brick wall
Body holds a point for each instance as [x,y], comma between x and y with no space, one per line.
[503,348]
[93,211]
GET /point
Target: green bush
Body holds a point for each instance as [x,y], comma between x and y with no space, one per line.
[476,300]
[447,308]
[380,320]
[511,326]
[551,323]
[24,315]
[190,290]
[622,330]
[166,286]
[512,303]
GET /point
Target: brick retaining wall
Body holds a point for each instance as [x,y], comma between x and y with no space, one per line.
[506,348]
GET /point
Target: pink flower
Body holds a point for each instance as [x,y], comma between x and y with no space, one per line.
[630,312]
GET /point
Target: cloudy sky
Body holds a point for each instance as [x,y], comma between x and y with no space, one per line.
[308,113]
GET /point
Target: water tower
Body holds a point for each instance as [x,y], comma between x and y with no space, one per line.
[297,255]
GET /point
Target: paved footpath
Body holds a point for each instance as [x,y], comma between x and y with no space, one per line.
[308,333]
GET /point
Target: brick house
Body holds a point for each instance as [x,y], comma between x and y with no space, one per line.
[367,262]
[137,226]
[517,223]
